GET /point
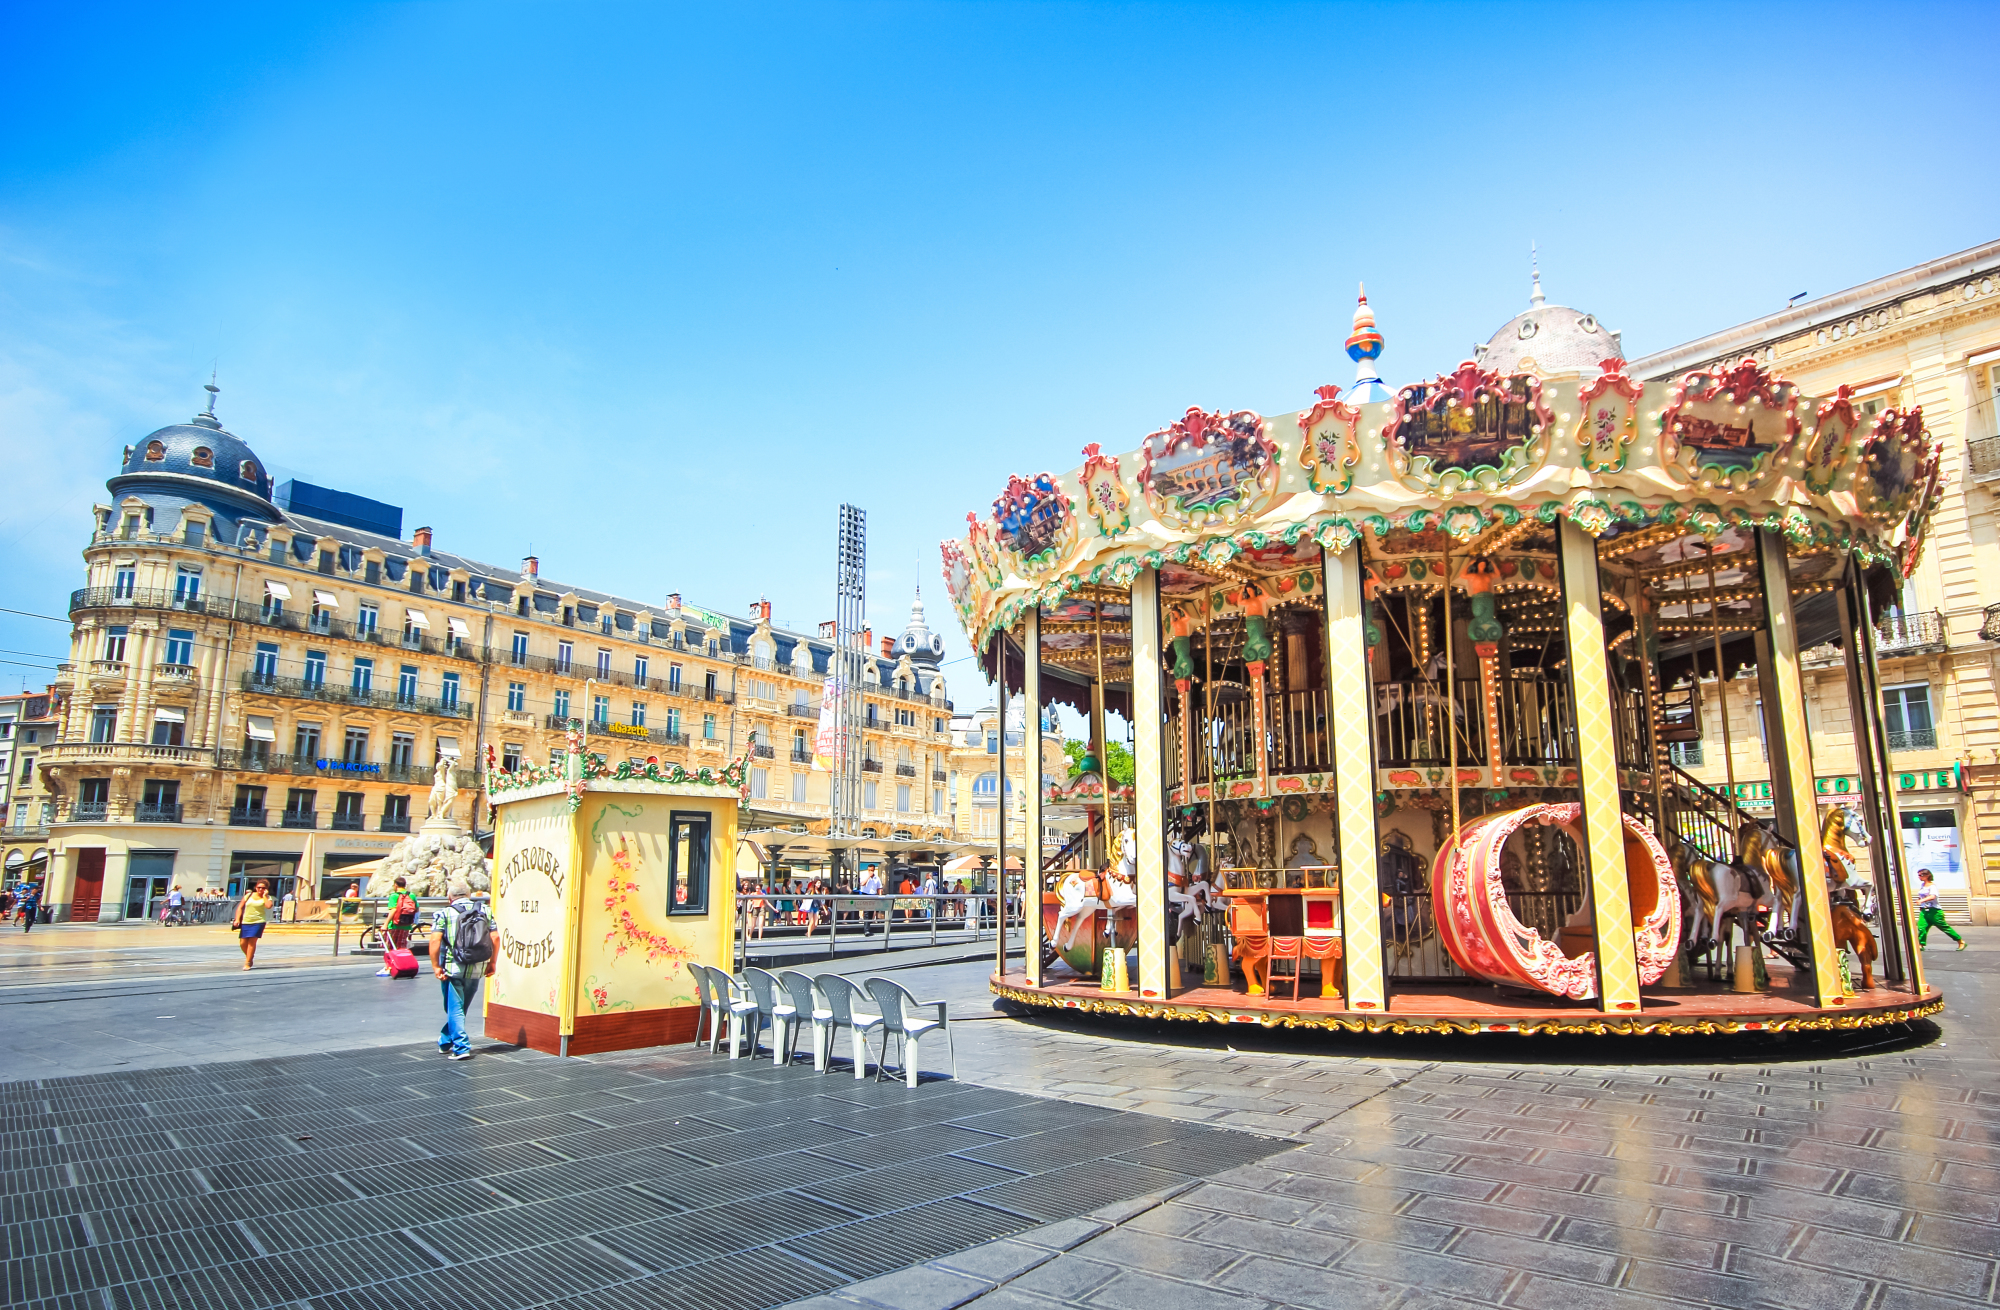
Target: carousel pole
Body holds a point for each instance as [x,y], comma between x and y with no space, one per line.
[1883,870]
[1031,850]
[1450,698]
[1147,790]
[1097,717]
[1351,700]
[1721,678]
[1000,808]
[1791,757]
[1891,834]
[1597,764]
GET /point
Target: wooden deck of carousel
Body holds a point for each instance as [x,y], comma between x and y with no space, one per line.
[1482,1008]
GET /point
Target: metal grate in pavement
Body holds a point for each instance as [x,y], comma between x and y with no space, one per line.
[877,1246]
[542,1182]
[1077,1190]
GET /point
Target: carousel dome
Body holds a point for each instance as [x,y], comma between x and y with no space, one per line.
[1549,339]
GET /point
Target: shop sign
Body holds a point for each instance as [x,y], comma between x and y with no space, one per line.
[625,729]
[1757,795]
[346,766]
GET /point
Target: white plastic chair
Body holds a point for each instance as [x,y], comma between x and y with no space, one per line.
[739,1006]
[896,1004]
[773,1008]
[840,996]
[807,1005]
[709,1010]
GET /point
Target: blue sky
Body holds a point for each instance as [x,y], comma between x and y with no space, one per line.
[653,289]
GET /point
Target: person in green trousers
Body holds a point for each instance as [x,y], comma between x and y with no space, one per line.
[1929,915]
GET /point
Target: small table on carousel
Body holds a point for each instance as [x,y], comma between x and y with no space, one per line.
[1285,923]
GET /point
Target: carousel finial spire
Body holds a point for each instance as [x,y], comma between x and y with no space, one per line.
[1364,347]
[1535,296]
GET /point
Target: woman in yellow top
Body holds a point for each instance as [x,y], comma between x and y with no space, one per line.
[252,912]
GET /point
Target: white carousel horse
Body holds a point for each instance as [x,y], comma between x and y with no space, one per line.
[1188,890]
[1083,893]
[1843,830]
[1728,890]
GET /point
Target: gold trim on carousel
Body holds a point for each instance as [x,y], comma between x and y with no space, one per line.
[1597,1025]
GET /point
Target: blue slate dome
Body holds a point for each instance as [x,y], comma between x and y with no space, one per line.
[188,455]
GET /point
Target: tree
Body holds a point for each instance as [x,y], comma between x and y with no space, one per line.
[1118,767]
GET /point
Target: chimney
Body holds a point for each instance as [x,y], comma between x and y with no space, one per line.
[867,639]
[673,602]
[422,537]
[531,567]
[888,648]
[760,609]
[827,630]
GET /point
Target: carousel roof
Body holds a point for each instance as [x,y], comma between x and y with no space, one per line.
[1545,426]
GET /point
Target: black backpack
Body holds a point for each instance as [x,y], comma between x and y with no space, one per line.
[472,936]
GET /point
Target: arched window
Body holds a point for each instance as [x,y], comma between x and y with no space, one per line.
[249,471]
[986,788]
[155,451]
[203,457]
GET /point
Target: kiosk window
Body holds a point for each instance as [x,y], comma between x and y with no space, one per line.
[687,864]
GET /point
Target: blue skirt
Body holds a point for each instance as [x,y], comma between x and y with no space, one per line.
[250,932]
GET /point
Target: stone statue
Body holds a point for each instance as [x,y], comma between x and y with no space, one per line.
[444,791]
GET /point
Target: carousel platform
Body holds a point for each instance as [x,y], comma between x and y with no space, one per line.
[1476,1008]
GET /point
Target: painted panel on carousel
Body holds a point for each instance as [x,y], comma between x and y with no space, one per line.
[966,589]
[1331,449]
[1479,928]
[1470,430]
[986,560]
[1034,521]
[1210,466]
[1892,465]
[1104,494]
[1730,428]
[1610,409]
[1836,434]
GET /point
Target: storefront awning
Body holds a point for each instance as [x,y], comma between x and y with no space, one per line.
[260,727]
[458,628]
[326,598]
[169,714]
[417,618]
[448,747]
[272,587]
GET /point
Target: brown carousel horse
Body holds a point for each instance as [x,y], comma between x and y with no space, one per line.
[1850,927]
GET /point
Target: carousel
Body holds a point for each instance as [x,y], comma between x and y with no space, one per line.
[1403,673]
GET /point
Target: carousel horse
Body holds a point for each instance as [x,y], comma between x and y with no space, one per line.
[1727,891]
[1083,893]
[1759,849]
[1843,872]
[1188,890]
[1845,888]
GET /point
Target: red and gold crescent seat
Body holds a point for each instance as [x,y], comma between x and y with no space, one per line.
[1480,931]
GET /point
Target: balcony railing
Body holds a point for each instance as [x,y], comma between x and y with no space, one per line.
[1910,634]
[146,598]
[332,694]
[395,823]
[1912,739]
[937,775]
[906,770]
[801,757]
[246,818]
[348,822]
[798,711]
[763,752]
[299,819]
[310,766]
[89,812]
[24,831]
[871,766]
[1989,624]
[627,732]
[89,752]
[156,814]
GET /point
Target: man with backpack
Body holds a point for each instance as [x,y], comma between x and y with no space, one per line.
[461,954]
[402,918]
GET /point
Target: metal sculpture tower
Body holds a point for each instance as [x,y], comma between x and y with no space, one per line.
[850,606]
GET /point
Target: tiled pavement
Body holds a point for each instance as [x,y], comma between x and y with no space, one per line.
[1856,1172]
